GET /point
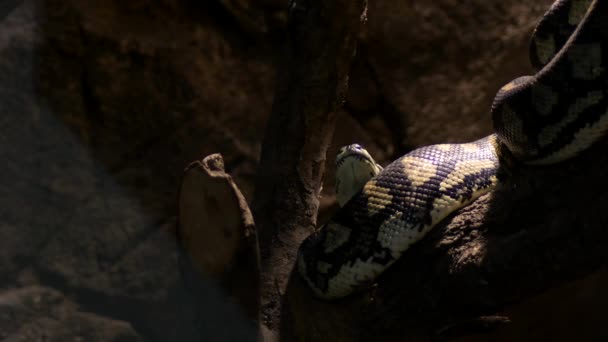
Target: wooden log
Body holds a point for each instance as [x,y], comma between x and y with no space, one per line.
[217,235]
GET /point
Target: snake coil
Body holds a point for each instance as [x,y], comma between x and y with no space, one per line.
[541,119]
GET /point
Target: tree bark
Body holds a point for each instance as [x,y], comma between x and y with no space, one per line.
[311,86]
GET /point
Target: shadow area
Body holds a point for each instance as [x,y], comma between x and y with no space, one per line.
[102,105]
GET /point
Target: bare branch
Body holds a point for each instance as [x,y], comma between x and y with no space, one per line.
[311,85]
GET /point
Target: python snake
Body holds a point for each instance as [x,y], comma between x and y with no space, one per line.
[541,119]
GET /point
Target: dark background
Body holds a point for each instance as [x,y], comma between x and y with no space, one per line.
[104,102]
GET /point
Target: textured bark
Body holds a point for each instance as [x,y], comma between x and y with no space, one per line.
[311,85]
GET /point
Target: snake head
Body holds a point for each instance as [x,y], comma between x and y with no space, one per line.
[353,151]
[354,167]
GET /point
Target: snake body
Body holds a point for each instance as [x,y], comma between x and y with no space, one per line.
[540,119]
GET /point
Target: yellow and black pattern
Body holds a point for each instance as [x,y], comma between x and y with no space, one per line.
[540,119]
[554,30]
[560,111]
[393,210]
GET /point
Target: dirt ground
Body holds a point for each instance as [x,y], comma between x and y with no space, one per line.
[102,105]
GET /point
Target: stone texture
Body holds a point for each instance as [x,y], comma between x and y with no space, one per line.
[101,111]
[41,314]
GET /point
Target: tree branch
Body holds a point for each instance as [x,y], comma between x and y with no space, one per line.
[311,85]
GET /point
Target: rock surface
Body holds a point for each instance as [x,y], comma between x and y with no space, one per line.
[37,313]
[102,105]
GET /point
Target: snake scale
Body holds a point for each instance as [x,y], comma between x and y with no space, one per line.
[541,119]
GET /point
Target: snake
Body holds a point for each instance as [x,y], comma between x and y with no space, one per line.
[542,119]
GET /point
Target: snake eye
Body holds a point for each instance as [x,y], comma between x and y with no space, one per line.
[357,146]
